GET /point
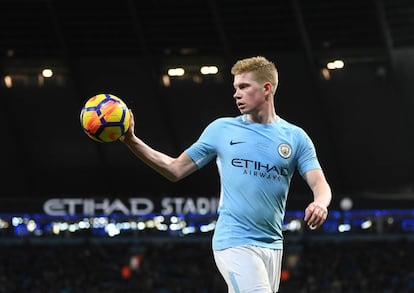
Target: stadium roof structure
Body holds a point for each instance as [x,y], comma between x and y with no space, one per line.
[361,117]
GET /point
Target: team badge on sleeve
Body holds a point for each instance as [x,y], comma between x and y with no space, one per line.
[284,150]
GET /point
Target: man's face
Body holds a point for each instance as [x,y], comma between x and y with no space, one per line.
[249,94]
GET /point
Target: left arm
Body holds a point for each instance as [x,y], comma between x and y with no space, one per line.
[317,211]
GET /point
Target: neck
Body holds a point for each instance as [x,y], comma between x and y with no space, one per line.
[263,118]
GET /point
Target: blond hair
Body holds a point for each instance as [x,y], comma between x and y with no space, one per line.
[263,70]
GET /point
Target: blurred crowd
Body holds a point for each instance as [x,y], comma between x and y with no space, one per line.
[187,266]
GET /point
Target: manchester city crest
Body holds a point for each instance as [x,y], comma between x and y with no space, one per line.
[284,150]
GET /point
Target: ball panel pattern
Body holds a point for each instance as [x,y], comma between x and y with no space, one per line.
[105,118]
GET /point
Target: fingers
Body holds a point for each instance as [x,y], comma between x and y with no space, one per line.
[132,114]
[315,215]
[130,130]
[131,120]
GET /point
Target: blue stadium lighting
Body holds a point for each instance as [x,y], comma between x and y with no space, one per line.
[4,224]
[208,228]
[293,225]
[330,226]
[335,214]
[344,228]
[112,230]
[408,225]
[188,230]
[366,224]
[141,225]
[355,222]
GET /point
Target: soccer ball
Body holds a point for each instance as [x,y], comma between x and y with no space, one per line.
[105,118]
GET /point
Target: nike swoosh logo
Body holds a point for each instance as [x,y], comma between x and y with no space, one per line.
[236,142]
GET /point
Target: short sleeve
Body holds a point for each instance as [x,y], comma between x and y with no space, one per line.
[306,157]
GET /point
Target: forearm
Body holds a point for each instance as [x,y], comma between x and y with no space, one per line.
[321,190]
[322,194]
[317,211]
[158,161]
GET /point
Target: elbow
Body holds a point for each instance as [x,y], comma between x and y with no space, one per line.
[172,177]
[175,176]
[177,171]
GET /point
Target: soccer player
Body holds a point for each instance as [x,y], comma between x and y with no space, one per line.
[256,154]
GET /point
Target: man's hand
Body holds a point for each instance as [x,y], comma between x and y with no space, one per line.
[315,215]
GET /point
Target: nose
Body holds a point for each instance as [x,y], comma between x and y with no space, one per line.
[236,95]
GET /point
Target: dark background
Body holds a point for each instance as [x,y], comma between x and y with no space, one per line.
[360,119]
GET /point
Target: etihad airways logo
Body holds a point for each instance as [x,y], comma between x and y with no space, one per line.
[260,169]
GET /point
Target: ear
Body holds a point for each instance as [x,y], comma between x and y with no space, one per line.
[268,87]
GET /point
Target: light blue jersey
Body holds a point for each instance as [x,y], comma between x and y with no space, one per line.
[256,163]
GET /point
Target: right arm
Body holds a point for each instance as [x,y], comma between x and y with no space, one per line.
[174,169]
